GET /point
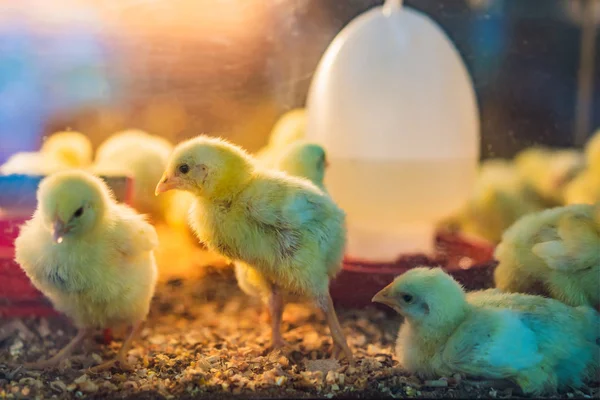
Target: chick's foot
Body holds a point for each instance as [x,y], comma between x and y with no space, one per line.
[63,354]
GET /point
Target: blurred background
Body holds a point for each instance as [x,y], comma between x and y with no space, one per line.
[231,67]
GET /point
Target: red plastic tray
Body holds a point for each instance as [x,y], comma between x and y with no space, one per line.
[469,261]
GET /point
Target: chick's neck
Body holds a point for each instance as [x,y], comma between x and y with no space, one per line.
[441,323]
[231,183]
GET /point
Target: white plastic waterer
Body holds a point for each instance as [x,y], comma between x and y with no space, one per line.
[393,104]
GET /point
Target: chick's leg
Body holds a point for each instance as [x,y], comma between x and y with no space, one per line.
[276,313]
[63,353]
[339,340]
[121,356]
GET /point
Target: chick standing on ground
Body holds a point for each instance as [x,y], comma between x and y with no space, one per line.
[554,252]
[304,160]
[62,150]
[542,347]
[288,129]
[92,257]
[284,227]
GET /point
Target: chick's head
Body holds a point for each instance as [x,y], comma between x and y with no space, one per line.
[426,296]
[72,203]
[306,160]
[206,166]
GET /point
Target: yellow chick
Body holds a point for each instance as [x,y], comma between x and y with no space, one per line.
[500,197]
[288,129]
[549,171]
[585,188]
[445,332]
[92,257]
[592,151]
[554,252]
[62,150]
[144,157]
[74,148]
[304,160]
[284,227]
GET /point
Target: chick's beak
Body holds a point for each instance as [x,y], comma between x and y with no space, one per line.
[59,230]
[384,296]
[165,184]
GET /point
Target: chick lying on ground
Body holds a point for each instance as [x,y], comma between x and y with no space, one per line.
[92,257]
[585,187]
[62,150]
[284,227]
[144,157]
[540,344]
[500,197]
[288,129]
[554,252]
[304,160]
[549,171]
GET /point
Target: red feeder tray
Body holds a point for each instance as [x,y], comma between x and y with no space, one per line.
[469,261]
[18,297]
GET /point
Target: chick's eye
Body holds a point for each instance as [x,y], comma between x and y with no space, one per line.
[407,298]
[184,168]
[78,213]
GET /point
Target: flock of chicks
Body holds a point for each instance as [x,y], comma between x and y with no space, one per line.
[538,178]
[272,217]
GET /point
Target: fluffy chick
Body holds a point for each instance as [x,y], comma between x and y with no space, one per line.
[283,226]
[304,160]
[592,152]
[542,346]
[549,171]
[144,157]
[554,252]
[290,127]
[92,257]
[500,197]
[585,188]
[62,150]
[73,148]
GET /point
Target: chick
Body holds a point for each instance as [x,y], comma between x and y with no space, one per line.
[585,188]
[554,252]
[549,171]
[31,163]
[92,257]
[592,152]
[542,347]
[62,150]
[288,129]
[74,148]
[304,160]
[144,157]
[499,198]
[283,226]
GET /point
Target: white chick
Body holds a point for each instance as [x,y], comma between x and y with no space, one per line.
[92,257]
